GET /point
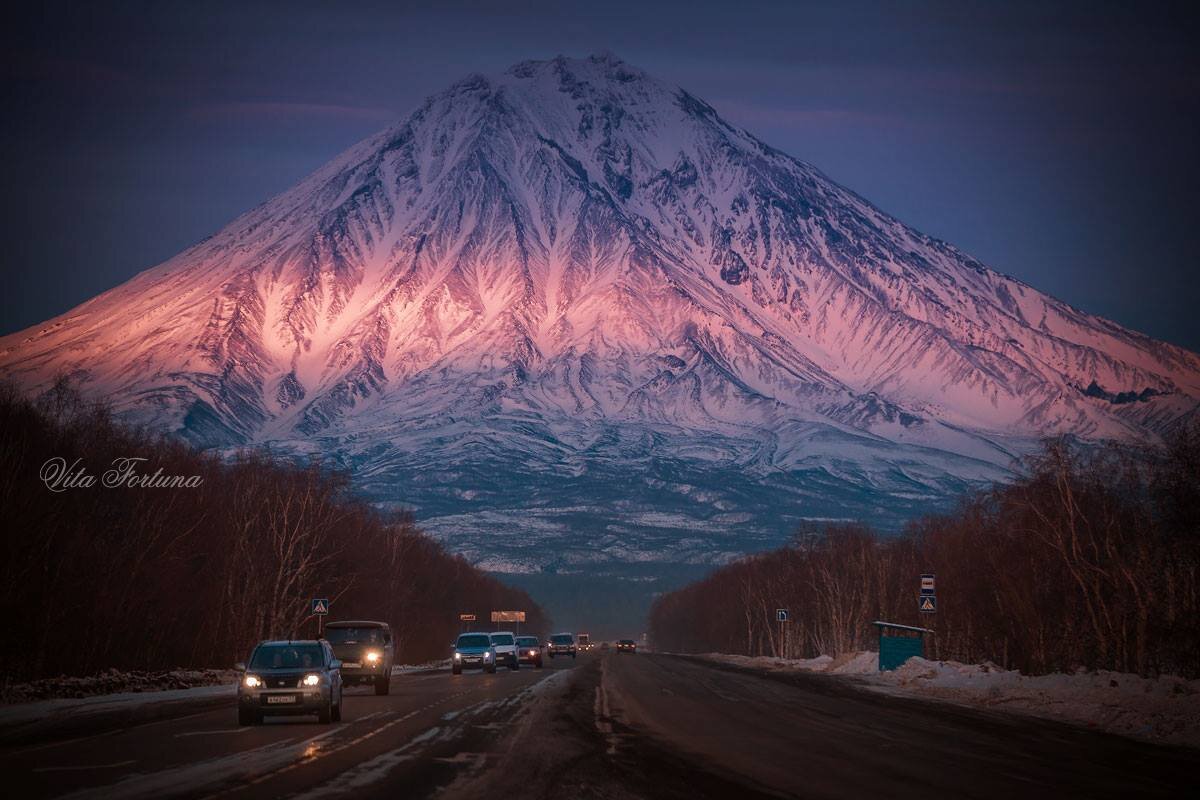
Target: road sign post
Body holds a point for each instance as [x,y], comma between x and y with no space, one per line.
[782,615]
[927,600]
[320,607]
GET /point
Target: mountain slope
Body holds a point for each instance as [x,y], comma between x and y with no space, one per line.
[572,300]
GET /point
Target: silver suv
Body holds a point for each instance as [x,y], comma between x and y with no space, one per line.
[504,644]
[561,644]
[301,677]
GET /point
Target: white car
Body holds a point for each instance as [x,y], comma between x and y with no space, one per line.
[504,643]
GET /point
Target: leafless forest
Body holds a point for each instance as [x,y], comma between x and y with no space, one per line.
[1092,560]
[153,578]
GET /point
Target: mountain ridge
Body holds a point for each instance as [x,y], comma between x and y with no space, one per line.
[571,269]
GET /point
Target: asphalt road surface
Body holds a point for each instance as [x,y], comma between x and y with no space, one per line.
[609,726]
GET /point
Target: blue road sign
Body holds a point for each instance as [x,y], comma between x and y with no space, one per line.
[320,605]
[782,615]
[927,604]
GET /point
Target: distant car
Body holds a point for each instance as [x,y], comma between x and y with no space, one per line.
[529,650]
[583,641]
[561,644]
[366,651]
[301,677]
[505,646]
[626,646]
[473,651]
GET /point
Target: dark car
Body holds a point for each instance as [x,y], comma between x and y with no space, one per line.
[561,644]
[301,677]
[529,650]
[473,650]
[626,646]
[366,651]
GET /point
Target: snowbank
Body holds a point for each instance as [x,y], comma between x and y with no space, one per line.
[115,681]
[1164,709]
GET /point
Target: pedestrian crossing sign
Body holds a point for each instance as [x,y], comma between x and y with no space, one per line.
[927,604]
[320,605]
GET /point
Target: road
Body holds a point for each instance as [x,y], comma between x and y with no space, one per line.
[614,726]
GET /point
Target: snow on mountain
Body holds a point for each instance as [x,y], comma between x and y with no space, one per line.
[569,314]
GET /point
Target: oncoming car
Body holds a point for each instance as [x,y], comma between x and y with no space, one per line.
[473,651]
[529,650]
[365,650]
[561,644]
[504,644]
[301,677]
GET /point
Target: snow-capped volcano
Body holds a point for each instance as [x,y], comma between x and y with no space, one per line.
[568,313]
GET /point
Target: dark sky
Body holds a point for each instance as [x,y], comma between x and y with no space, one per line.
[1057,143]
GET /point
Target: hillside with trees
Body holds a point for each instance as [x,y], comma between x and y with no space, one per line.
[1091,560]
[145,577]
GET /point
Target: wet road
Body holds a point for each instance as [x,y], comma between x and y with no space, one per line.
[381,742]
[612,726]
[662,726]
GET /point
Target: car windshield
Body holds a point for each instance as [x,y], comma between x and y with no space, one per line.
[474,640]
[354,635]
[287,656]
[527,641]
[502,638]
[562,638]
[627,641]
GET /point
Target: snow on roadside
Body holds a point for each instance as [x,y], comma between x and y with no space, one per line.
[47,711]
[114,681]
[1165,710]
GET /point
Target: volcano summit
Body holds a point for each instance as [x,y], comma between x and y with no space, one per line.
[571,316]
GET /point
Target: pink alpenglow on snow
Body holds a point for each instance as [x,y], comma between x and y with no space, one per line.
[574,275]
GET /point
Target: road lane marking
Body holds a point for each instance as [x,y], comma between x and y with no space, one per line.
[604,715]
[83,767]
[212,733]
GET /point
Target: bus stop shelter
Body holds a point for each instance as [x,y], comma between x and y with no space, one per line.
[899,643]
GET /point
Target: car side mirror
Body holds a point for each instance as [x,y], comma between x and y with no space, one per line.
[240,666]
[335,664]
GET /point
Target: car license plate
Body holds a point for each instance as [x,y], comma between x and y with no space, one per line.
[280,699]
[351,664]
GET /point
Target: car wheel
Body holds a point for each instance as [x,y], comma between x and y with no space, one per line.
[325,714]
[245,716]
[382,684]
[490,669]
[337,711]
[538,663]
[572,656]
[456,670]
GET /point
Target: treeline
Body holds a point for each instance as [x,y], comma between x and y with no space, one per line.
[1092,560]
[135,577]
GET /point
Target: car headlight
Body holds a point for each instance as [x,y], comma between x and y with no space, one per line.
[373,656]
[487,656]
[251,681]
[312,679]
[457,656]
